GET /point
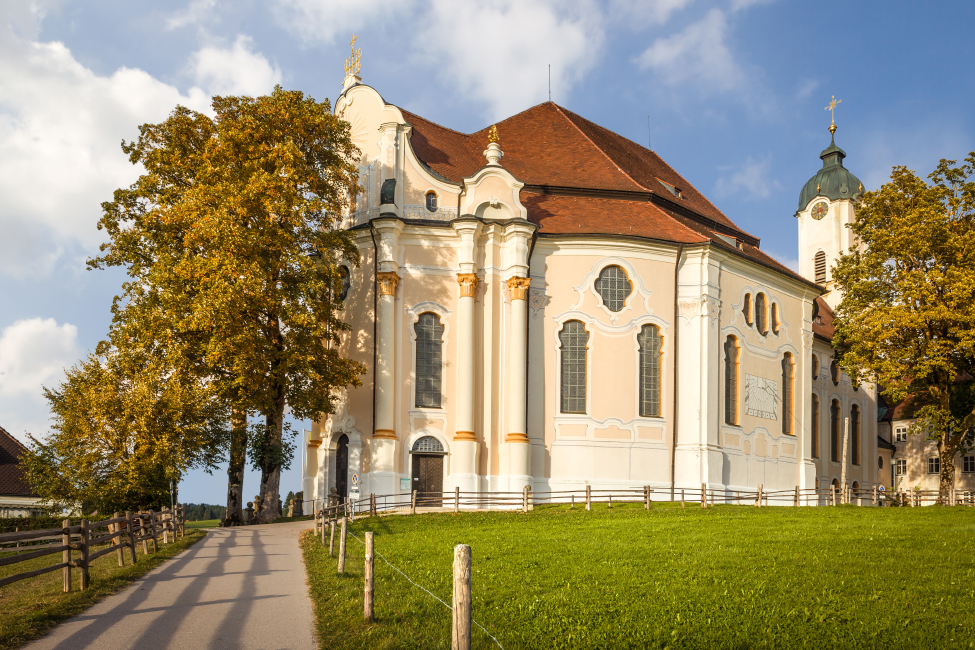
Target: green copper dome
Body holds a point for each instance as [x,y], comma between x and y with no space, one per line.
[833,181]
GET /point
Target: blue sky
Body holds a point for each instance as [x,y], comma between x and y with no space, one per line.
[734,90]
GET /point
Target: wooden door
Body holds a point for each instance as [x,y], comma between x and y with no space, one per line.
[428,479]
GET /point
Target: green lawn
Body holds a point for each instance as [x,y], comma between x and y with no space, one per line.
[29,608]
[206,523]
[725,577]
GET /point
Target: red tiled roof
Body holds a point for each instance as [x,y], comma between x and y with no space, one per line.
[824,326]
[12,480]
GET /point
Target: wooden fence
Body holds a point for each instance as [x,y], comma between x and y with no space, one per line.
[119,533]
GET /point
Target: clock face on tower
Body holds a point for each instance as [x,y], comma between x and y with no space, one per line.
[819,210]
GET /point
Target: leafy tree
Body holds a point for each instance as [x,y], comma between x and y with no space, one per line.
[125,425]
[231,244]
[907,318]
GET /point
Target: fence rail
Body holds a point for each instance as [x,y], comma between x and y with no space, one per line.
[120,532]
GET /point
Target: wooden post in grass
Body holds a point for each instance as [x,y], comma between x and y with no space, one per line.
[524,500]
[342,547]
[131,532]
[588,497]
[572,503]
[758,496]
[165,524]
[646,495]
[85,552]
[152,527]
[117,540]
[66,553]
[461,629]
[456,500]
[610,500]
[846,444]
[413,503]
[326,524]
[367,596]
[331,538]
[712,497]
[704,495]
[832,494]
[682,498]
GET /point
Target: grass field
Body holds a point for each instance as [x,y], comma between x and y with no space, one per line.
[206,523]
[31,607]
[725,577]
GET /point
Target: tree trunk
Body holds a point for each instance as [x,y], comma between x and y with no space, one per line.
[271,465]
[235,469]
[947,478]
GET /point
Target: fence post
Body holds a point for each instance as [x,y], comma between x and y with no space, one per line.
[758,496]
[610,500]
[588,497]
[795,501]
[712,497]
[66,553]
[461,630]
[832,494]
[165,524]
[704,495]
[682,498]
[128,528]
[117,540]
[413,503]
[573,502]
[367,596]
[84,554]
[152,527]
[646,495]
[456,500]
[331,538]
[342,547]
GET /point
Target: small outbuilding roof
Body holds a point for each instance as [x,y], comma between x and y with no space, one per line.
[12,479]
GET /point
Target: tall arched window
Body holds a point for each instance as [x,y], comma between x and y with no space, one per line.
[815,367]
[574,338]
[614,287]
[855,434]
[814,438]
[776,321]
[429,360]
[650,348]
[834,373]
[819,262]
[761,314]
[788,390]
[731,380]
[747,308]
[834,431]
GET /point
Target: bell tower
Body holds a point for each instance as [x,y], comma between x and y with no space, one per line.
[826,206]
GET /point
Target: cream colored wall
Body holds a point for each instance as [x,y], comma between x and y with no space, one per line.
[829,235]
[916,451]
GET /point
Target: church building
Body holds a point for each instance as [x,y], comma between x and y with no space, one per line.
[547,303]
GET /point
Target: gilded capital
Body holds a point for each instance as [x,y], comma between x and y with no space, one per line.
[518,287]
[468,284]
[387,283]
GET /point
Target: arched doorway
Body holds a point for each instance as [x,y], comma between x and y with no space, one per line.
[427,460]
[342,468]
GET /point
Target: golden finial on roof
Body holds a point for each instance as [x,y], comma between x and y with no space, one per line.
[831,108]
[493,134]
[352,64]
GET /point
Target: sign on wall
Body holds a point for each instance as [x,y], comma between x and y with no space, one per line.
[761,397]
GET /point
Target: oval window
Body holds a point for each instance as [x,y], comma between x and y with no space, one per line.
[614,287]
[432,201]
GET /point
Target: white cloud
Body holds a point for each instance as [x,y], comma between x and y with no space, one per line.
[34,353]
[738,5]
[752,178]
[234,71]
[498,51]
[697,55]
[639,14]
[321,21]
[195,12]
[60,129]
[806,88]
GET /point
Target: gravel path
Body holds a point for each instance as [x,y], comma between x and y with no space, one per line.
[237,588]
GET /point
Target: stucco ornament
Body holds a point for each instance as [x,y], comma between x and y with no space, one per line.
[537,301]
[689,308]
[761,397]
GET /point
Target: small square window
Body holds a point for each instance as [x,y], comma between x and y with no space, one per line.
[968,464]
[900,467]
[900,435]
[934,465]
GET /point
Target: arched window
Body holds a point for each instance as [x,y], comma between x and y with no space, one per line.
[431,201]
[747,308]
[834,373]
[815,367]
[819,263]
[428,445]
[775,318]
[614,287]
[650,348]
[815,426]
[574,338]
[834,431]
[880,462]
[731,380]
[855,434]
[855,488]
[788,390]
[429,360]
[761,314]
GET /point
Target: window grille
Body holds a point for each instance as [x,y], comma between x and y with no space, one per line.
[650,347]
[934,465]
[855,434]
[429,360]
[900,435]
[820,263]
[747,308]
[614,287]
[731,381]
[761,314]
[834,431]
[900,467]
[834,373]
[428,445]
[815,426]
[968,464]
[574,338]
[431,201]
[788,408]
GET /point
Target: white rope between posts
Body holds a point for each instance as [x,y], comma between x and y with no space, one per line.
[390,565]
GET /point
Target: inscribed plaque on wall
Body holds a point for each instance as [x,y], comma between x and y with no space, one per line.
[761,397]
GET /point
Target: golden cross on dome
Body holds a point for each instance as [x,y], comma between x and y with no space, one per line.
[831,108]
[352,64]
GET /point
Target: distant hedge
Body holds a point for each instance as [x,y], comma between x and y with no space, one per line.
[204,512]
[9,525]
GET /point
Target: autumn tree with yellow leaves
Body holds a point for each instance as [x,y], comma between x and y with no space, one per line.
[232,245]
[907,318]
